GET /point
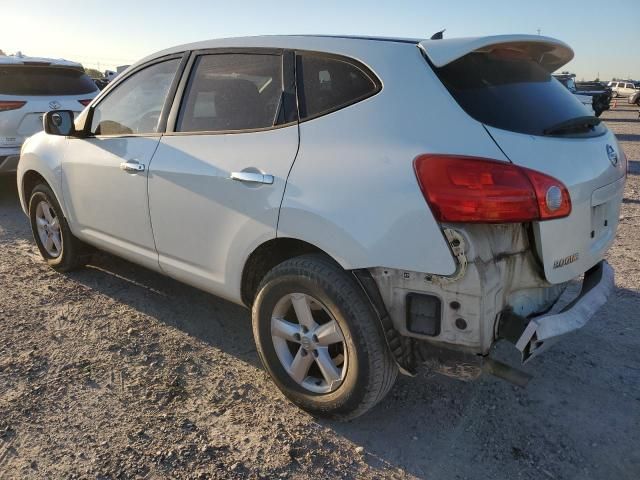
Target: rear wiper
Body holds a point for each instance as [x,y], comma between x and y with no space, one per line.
[578,123]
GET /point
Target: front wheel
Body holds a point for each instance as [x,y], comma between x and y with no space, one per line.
[54,239]
[320,340]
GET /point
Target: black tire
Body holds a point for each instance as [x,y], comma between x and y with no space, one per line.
[74,253]
[371,370]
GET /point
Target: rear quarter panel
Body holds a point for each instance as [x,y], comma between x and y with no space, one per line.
[352,190]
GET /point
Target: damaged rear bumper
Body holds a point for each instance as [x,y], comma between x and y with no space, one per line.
[542,331]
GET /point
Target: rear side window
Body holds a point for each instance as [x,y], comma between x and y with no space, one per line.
[27,80]
[232,92]
[327,83]
[511,93]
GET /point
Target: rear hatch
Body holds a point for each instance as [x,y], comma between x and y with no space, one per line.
[28,91]
[505,83]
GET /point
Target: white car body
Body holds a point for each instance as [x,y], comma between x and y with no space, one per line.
[21,111]
[344,183]
[622,89]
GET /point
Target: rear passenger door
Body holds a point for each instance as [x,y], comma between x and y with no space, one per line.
[218,176]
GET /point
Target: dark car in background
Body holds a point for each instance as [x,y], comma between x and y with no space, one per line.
[599,93]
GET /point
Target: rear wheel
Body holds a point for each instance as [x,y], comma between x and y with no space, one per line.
[54,239]
[318,337]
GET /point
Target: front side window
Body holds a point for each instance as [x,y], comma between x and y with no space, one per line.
[232,92]
[135,105]
[328,83]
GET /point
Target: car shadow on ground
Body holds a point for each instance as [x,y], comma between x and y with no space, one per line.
[431,417]
[8,190]
[628,137]
[217,322]
[622,120]
[634,167]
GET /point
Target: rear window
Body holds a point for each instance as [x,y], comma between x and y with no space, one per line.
[510,93]
[327,83]
[26,80]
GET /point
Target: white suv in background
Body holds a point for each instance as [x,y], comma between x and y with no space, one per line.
[622,89]
[29,87]
[373,201]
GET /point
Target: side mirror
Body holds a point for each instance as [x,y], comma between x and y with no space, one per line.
[59,122]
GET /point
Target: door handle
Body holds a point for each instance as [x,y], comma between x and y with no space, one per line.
[132,166]
[252,177]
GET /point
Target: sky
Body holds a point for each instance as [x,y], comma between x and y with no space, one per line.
[605,34]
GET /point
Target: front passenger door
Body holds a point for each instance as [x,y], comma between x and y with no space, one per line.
[105,173]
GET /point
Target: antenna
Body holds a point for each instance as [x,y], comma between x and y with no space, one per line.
[438,35]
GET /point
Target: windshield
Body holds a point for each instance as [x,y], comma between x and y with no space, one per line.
[28,80]
[510,92]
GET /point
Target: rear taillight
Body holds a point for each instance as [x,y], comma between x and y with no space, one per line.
[479,190]
[85,102]
[10,105]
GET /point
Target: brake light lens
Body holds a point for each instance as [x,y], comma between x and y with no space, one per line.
[85,102]
[479,190]
[10,105]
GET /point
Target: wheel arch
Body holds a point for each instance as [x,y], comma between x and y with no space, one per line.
[266,256]
[40,161]
[275,251]
[30,179]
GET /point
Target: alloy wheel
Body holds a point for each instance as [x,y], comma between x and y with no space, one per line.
[48,227]
[309,343]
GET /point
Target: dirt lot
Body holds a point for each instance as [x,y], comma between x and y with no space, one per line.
[116,372]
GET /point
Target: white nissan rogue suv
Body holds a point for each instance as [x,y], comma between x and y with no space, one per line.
[29,87]
[374,201]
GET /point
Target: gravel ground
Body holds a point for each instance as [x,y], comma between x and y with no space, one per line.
[117,372]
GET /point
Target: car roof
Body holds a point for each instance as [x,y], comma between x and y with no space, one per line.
[553,53]
[301,42]
[20,59]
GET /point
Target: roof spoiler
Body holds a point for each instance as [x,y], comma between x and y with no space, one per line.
[550,53]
